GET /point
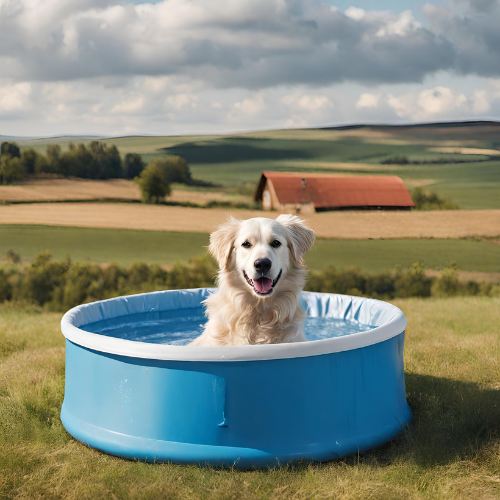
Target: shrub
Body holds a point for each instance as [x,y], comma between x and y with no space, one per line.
[412,282]
[13,257]
[41,279]
[5,286]
[425,200]
[395,160]
[62,285]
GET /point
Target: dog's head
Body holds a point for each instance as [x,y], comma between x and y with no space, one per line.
[261,252]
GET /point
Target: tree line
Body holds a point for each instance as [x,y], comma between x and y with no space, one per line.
[60,285]
[97,161]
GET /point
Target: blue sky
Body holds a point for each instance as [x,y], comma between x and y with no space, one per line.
[195,66]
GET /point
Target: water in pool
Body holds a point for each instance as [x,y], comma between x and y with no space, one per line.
[181,327]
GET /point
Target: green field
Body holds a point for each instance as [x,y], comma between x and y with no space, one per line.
[126,246]
[238,160]
[451,450]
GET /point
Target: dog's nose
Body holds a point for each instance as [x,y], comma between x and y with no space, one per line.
[263,265]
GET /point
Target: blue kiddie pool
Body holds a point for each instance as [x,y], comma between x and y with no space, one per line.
[134,389]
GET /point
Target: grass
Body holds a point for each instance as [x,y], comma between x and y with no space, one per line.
[452,449]
[127,246]
[238,159]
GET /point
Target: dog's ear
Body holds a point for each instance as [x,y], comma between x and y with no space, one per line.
[222,241]
[300,237]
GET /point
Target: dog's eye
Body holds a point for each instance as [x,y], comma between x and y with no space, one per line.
[246,244]
[275,243]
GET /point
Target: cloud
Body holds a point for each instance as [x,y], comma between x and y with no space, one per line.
[248,106]
[191,66]
[472,28]
[367,101]
[481,102]
[129,106]
[428,104]
[179,101]
[14,98]
[226,43]
[308,103]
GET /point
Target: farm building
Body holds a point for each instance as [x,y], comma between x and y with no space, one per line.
[302,192]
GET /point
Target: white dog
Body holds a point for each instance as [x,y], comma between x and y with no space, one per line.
[260,279]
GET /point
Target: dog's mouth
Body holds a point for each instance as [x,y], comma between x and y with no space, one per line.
[263,286]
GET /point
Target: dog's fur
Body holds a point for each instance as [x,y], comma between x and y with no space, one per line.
[238,313]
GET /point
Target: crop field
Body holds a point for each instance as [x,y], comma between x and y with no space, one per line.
[238,160]
[451,450]
[337,224]
[165,248]
[112,189]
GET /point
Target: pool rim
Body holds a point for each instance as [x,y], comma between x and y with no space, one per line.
[135,349]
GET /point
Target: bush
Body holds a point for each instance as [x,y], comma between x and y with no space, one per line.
[5,286]
[13,257]
[425,200]
[153,184]
[61,285]
[395,160]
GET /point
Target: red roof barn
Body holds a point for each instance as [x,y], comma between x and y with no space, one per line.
[309,192]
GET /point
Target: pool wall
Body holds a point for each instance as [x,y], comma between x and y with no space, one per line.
[251,408]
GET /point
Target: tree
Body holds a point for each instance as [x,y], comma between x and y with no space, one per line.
[53,165]
[153,184]
[107,160]
[10,149]
[29,159]
[133,165]
[174,168]
[11,169]
[178,170]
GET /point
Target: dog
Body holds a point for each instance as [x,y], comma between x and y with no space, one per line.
[261,275]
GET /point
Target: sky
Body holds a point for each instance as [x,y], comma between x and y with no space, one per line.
[109,67]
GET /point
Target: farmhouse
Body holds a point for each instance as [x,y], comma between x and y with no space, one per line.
[302,192]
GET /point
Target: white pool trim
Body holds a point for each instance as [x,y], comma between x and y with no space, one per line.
[392,319]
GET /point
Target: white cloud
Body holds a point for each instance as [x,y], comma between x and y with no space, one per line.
[249,44]
[14,97]
[308,103]
[367,100]
[355,13]
[129,106]
[189,66]
[428,103]
[480,102]
[250,105]
[180,101]
[401,26]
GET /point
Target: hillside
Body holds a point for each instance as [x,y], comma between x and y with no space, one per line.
[456,160]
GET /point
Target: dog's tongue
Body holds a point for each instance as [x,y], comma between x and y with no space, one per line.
[263,285]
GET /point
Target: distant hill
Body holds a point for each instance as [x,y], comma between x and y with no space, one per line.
[483,123]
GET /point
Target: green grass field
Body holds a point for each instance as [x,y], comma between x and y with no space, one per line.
[238,160]
[452,449]
[126,246]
